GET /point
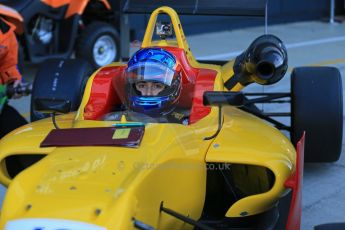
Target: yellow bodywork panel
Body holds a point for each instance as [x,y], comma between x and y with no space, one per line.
[245,139]
[123,182]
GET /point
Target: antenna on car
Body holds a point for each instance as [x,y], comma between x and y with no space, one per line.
[266,17]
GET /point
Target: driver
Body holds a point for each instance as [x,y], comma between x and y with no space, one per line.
[153,86]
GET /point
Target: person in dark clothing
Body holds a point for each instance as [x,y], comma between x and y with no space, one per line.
[10,119]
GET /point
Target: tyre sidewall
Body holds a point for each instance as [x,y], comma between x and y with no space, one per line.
[317,109]
[92,34]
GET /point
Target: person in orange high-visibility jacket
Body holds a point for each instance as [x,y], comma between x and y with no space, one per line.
[8,54]
[10,119]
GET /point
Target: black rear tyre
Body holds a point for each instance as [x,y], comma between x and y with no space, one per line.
[317,109]
[60,79]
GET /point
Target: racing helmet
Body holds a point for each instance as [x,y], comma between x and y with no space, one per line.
[154,65]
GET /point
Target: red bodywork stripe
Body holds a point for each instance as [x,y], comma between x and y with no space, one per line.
[195,81]
[295,182]
[204,82]
[103,96]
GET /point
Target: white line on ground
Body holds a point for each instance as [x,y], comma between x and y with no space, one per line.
[288,46]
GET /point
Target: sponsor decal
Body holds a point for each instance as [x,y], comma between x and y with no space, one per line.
[49,224]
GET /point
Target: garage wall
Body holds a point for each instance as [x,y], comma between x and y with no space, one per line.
[280,11]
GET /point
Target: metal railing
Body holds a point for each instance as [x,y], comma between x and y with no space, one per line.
[331,11]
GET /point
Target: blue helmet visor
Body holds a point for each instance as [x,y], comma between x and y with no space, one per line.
[150,71]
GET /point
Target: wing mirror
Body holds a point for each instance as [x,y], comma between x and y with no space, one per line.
[219,99]
[52,106]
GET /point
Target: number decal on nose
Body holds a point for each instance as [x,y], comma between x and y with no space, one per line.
[49,224]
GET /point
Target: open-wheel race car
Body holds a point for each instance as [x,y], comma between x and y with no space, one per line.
[224,166]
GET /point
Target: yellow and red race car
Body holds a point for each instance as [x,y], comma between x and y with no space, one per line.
[226,167]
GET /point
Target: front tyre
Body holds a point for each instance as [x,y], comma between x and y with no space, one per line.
[99,44]
[317,109]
